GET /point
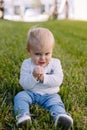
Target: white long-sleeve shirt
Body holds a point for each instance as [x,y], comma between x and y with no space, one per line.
[53,77]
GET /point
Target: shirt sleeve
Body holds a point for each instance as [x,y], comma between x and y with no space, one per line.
[27,81]
[56,78]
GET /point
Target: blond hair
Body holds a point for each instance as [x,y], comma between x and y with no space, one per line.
[40,36]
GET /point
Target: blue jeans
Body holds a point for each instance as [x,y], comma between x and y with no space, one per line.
[51,102]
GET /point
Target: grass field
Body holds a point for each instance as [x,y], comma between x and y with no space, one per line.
[71,49]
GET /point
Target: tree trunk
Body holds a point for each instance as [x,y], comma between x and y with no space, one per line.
[55,12]
[66,9]
[1,9]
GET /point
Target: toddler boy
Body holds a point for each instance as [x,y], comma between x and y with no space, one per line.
[41,77]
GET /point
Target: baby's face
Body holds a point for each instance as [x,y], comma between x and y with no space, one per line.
[41,54]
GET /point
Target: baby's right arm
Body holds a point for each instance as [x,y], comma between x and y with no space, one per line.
[27,78]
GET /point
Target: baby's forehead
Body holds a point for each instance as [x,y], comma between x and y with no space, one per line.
[42,44]
[42,47]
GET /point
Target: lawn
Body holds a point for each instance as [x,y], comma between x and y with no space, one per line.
[70,48]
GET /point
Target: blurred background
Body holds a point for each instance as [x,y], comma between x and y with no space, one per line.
[42,10]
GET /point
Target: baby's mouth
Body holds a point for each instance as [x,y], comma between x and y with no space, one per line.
[42,63]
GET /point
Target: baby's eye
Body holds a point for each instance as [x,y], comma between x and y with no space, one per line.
[37,54]
[47,53]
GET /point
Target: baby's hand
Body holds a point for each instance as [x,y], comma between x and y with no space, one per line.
[38,73]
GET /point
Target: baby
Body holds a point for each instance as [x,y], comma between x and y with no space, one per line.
[41,76]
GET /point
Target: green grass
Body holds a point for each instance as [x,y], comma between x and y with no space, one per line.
[70,48]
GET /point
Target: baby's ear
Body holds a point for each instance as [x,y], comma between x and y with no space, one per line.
[28,50]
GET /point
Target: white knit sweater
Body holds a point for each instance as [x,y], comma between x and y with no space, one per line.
[53,77]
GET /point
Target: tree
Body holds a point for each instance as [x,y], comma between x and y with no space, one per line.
[1,9]
[55,12]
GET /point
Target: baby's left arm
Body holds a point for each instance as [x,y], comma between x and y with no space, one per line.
[55,78]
